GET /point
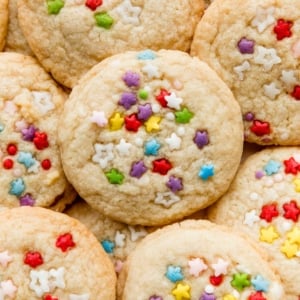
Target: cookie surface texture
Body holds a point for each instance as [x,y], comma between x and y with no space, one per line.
[69,37]
[48,255]
[3,21]
[264,202]
[197,260]
[150,136]
[260,63]
[31,171]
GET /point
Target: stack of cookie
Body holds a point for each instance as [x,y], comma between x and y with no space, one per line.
[130,116]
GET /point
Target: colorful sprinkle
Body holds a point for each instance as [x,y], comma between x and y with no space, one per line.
[8,163]
[291,166]
[50,297]
[131,79]
[291,210]
[46,164]
[54,6]
[283,29]
[152,147]
[184,116]
[152,124]
[173,101]
[260,283]
[143,94]
[65,242]
[33,259]
[246,46]
[108,246]
[268,234]
[146,55]
[272,167]
[116,122]
[17,187]
[114,176]
[138,169]
[103,20]
[26,159]
[26,200]
[269,212]
[154,297]
[207,296]
[216,280]
[240,281]
[12,149]
[201,138]
[294,236]
[196,266]
[182,291]
[296,92]
[260,128]
[161,97]
[206,171]
[144,112]
[174,273]
[132,123]
[99,118]
[174,184]
[289,249]
[5,258]
[161,166]
[93,4]
[40,140]
[28,133]
[128,99]
[220,267]
[257,296]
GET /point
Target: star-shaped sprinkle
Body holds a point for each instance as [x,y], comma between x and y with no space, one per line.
[206,171]
[182,291]
[65,242]
[251,217]
[132,123]
[161,97]
[161,166]
[28,133]
[173,141]
[271,91]
[128,13]
[291,166]
[240,69]
[93,4]
[174,273]
[27,200]
[201,138]
[123,148]
[54,6]
[183,116]
[294,236]
[131,79]
[257,296]
[220,267]
[33,259]
[151,71]
[104,154]
[17,187]
[289,249]
[144,112]
[291,210]
[229,297]
[26,159]
[240,281]
[5,258]
[99,118]
[151,147]
[272,167]
[8,288]
[268,234]
[296,92]
[120,239]
[114,176]
[128,99]
[137,232]
[50,297]
[104,20]
[152,124]
[296,49]
[264,18]
[174,184]
[268,212]
[116,121]
[260,128]
[154,297]
[146,55]
[79,297]
[207,296]
[138,169]
[10,107]
[266,57]
[246,46]
[296,182]
[173,101]
[288,77]
[260,283]
[283,29]
[196,266]
[166,199]
[43,101]
[108,246]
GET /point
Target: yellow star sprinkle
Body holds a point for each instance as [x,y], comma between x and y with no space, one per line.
[297,184]
[182,292]
[153,123]
[229,297]
[290,250]
[294,236]
[268,234]
[116,121]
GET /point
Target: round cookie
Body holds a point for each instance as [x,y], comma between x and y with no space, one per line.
[31,171]
[148,137]
[260,63]
[198,260]
[71,36]
[264,202]
[3,22]
[48,255]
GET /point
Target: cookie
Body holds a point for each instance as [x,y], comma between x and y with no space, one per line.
[71,36]
[260,63]
[150,137]
[31,171]
[264,202]
[48,255]
[15,40]
[198,260]
[3,22]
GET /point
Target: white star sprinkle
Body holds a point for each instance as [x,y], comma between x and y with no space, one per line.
[288,77]
[8,288]
[137,232]
[151,71]
[128,13]
[173,101]
[5,258]
[220,267]
[239,70]
[196,266]
[296,49]
[174,141]
[104,154]
[123,147]
[43,101]
[166,199]
[120,239]
[79,297]
[266,57]
[271,91]
[10,107]
[35,167]
[250,218]
[264,17]
[99,118]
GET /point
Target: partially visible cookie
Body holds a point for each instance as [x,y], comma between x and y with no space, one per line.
[31,171]
[264,202]
[50,256]
[260,63]
[3,22]
[198,260]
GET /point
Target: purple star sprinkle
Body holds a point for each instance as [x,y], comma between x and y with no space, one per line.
[174,184]
[246,46]
[131,79]
[128,99]
[144,112]
[206,296]
[155,298]
[249,117]
[28,133]
[201,139]
[138,169]
[259,174]
[26,200]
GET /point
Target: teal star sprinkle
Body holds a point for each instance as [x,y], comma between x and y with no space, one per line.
[206,171]
[260,284]
[152,147]
[174,273]
[17,187]
[272,167]
[108,246]
[146,55]
[26,159]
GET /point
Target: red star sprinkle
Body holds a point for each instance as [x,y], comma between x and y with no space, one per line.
[49,297]
[93,4]
[268,212]
[12,149]
[8,163]
[283,29]
[65,241]
[296,92]
[161,166]
[291,166]
[46,164]
[132,123]
[257,296]
[33,259]
[291,210]
[161,97]
[40,140]
[216,280]
[260,128]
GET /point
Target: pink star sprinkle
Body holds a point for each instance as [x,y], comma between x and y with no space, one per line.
[197,266]
[5,258]
[99,118]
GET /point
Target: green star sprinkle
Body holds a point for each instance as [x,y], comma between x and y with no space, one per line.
[183,116]
[240,281]
[114,176]
[54,6]
[104,20]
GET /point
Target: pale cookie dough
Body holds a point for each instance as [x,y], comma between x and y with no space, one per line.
[198,260]
[254,45]
[31,171]
[150,137]
[71,36]
[3,22]
[264,202]
[15,40]
[48,255]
